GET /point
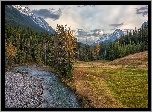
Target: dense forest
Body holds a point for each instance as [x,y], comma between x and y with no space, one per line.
[25,46]
[61,49]
[134,42]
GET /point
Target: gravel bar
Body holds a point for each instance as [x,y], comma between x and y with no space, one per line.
[22,90]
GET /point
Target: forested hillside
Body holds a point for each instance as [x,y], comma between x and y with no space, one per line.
[14,18]
[133,42]
[26,45]
[129,44]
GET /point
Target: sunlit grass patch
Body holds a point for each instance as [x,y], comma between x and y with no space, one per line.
[94,88]
[128,85]
[102,96]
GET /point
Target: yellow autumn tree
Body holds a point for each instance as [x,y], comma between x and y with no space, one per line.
[63,51]
[96,50]
[9,53]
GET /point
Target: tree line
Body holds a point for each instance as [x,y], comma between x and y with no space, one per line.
[133,42]
[61,49]
[25,46]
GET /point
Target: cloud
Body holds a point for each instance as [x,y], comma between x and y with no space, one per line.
[52,9]
[142,10]
[82,33]
[90,18]
[89,40]
[45,13]
[116,25]
[97,32]
[145,13]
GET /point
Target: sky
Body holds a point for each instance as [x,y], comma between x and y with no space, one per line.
[92,21]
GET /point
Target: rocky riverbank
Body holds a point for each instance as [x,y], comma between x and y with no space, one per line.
[32,87]
[22,90]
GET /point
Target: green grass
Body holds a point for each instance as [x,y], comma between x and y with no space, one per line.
[128,85]
[102,93]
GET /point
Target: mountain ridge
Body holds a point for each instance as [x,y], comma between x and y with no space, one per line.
[105,38]
[17,15]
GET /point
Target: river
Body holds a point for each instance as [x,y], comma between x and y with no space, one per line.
[56,94]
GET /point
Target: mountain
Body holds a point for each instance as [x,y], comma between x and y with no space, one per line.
[17,15]
[105,38]
[145,24]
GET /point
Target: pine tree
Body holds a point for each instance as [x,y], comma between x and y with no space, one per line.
[63,51]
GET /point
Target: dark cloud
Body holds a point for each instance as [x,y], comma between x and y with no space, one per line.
[90,36]
[116,25]
[145,13]
[45,13]
[139,12]
[95,32]
[142,10]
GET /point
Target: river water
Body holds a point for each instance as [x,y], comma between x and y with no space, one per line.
[56,94]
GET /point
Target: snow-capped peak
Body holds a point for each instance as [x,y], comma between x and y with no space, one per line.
[115,35]
[38,20]
[110,37]
[145,24]
[23,10]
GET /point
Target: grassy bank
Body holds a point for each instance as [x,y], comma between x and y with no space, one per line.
[108,84]
[127,85]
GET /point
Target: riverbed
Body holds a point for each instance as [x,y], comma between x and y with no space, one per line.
[55,93]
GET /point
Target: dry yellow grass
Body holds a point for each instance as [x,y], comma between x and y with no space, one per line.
[137,59]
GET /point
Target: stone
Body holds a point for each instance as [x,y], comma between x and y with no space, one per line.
[22,90]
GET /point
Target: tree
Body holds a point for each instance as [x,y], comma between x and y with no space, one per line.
[63,51]
[96,51]
[10,53]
